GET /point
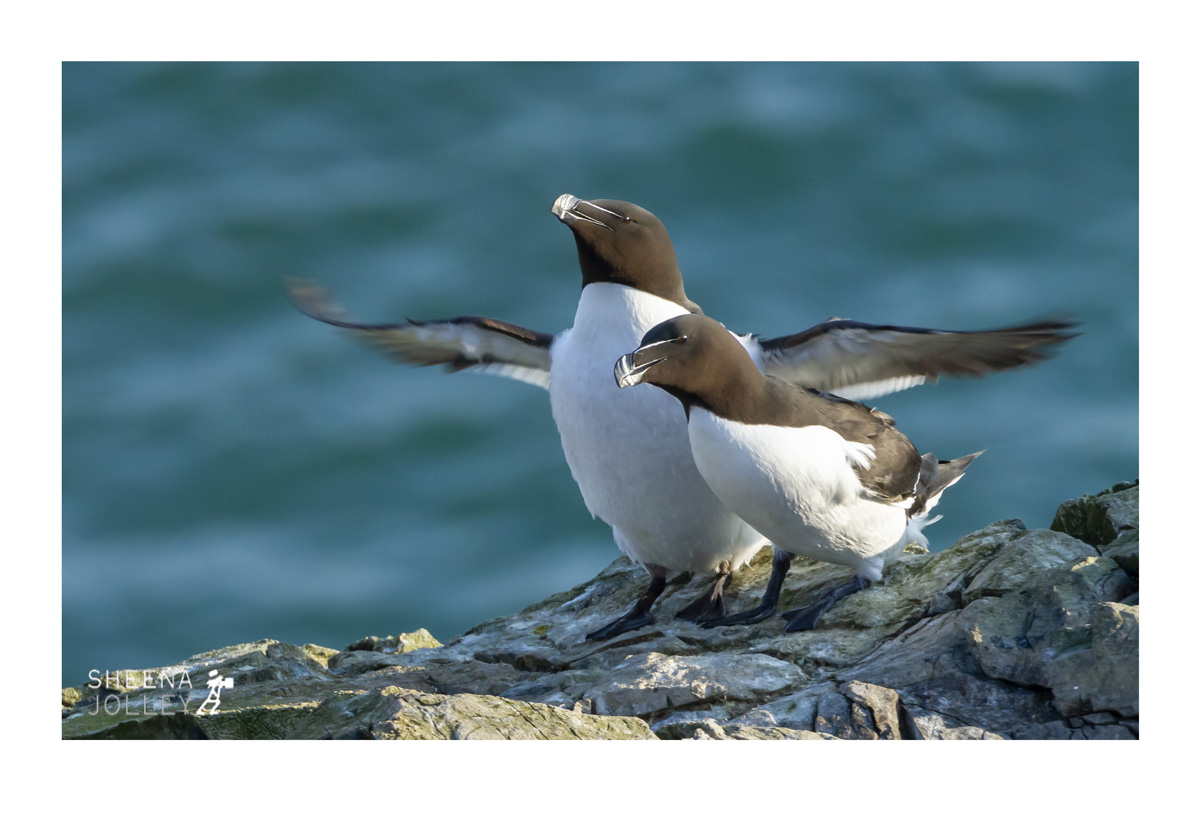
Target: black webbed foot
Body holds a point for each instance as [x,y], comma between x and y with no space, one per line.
[753,616]
[712,604]
[806,618]
[630,621]
[638,616]
[780,562]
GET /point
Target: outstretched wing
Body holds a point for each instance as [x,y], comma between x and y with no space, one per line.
[464,343]
[859,361]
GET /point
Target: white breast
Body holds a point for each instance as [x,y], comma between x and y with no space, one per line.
[628,449]
[798,488]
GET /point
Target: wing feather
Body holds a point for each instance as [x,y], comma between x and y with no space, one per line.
[859,360]
[463,343]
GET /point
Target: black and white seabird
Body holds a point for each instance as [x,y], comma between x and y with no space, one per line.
[820,476]
[663,515]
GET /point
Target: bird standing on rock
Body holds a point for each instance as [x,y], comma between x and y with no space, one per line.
[820,476]
[663,515]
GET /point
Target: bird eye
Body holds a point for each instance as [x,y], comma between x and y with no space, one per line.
[680,339]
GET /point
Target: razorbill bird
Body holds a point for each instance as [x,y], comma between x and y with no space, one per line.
[662,513]
[820,476]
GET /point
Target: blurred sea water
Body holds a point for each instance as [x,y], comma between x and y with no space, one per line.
[233,470]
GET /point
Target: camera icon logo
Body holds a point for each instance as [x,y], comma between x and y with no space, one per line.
[216,683]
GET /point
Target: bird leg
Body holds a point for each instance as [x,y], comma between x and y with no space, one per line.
[711,605]
[805,618]
[780,562]
[638,616]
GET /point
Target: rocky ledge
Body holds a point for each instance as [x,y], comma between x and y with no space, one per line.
[1009,633]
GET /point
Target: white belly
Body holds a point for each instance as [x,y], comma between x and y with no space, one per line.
[796,486]
[628,449]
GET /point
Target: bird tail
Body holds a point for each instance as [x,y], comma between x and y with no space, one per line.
[934,478]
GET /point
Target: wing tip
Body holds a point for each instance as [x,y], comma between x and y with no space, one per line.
[311,298]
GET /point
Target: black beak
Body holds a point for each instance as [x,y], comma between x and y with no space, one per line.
[631,368]
[566,208]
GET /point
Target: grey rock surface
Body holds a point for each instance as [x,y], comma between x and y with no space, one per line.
[1008,633]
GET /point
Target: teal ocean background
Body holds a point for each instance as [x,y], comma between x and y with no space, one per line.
[233,470]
